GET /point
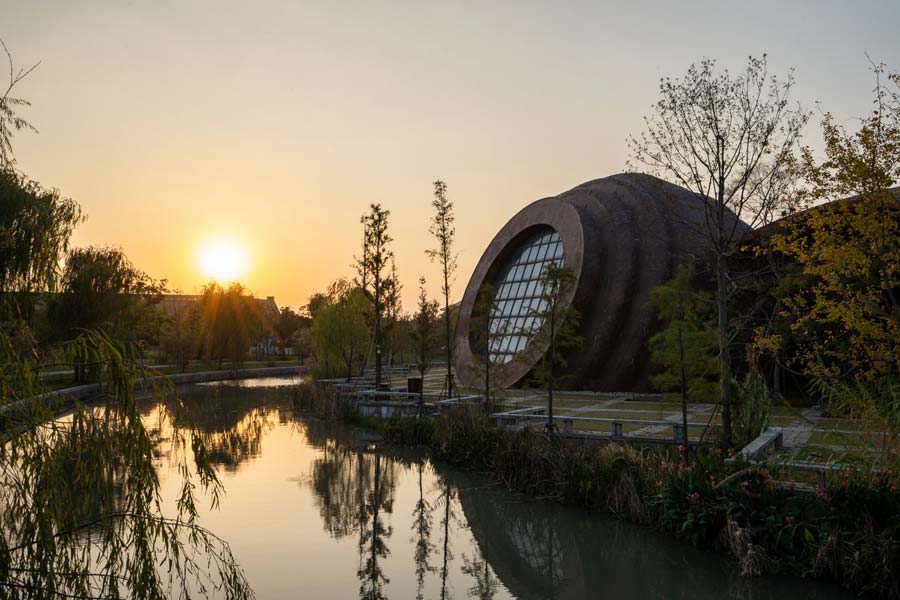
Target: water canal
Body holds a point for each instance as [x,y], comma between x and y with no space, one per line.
[312,511]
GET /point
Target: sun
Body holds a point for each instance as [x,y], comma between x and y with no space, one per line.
[223,259]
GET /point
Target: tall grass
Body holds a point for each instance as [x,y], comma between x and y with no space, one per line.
[321,401]
[876,403]
[753,400]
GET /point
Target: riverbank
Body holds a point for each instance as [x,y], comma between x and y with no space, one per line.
[61,399]
[848,532]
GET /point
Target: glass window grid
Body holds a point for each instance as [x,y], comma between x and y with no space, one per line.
[514,319]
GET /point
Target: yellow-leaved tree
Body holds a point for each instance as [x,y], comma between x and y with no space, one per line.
[845,314]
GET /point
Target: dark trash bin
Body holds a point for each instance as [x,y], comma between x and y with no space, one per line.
[414,385]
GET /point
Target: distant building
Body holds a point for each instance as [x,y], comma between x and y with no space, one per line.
[175,304]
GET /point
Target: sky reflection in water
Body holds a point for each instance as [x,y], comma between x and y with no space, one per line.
[309,512]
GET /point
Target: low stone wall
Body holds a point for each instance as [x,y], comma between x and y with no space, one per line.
[67,396]
[390,410]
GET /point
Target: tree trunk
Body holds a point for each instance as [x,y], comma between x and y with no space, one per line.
[487,382]
[487,365]
[421,401]
[724,356]
[449,341]
[684,419]
[550,357]
[377,353]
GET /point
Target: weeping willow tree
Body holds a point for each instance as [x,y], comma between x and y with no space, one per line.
[81,510]
[80,504]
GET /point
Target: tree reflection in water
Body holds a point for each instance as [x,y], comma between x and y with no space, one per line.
[354,490]
[373,539]
[231,420]
[445,499]
[485,585]
[524,549]
[422,520]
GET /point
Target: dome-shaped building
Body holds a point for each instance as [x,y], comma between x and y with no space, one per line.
[621,237]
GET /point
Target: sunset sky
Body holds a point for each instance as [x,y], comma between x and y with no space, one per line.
[275,124]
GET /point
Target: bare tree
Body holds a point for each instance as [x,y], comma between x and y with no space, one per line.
[9,121]
[444,232]
[731,141]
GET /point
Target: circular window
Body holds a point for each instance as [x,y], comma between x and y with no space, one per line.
[516,314]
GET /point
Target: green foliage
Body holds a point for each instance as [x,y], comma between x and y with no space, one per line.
[35,227]
[339,330]
[424,332]
[286,326]
[103,291]
[689,342]
[80,497]
[182,340]
[393,323]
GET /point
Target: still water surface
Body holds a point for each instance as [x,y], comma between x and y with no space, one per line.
[312,511]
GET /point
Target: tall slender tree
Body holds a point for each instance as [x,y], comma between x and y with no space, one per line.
[444,232]
[393,312]
[374,274]
[731,140]
[558,326]
[486,331]
[423,334]
[685,349]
